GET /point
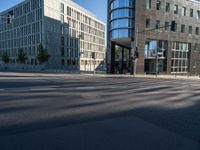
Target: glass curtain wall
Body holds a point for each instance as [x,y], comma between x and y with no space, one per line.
[121,18]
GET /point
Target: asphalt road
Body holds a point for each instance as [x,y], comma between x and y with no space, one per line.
[84,112]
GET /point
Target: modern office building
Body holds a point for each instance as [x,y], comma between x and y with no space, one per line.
[145,25]
[73,36]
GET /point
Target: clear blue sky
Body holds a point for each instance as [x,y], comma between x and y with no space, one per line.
[99,7]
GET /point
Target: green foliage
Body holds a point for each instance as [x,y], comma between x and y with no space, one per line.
[21,56]
[5,58]
[43,55]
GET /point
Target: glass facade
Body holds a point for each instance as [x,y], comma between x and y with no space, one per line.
[121,18]
[121,3]
[120,33]
[121,13]
[121,23]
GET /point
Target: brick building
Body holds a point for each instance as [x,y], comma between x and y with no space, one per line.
[145,25]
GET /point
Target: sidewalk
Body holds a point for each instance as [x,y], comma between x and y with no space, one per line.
[147,76]
[49,73]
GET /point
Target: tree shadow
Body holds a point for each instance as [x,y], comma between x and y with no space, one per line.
[163,103]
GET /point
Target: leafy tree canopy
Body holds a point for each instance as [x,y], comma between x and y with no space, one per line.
[43,55]
[21,56]
[5,58]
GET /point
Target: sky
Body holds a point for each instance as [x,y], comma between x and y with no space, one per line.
[98,7]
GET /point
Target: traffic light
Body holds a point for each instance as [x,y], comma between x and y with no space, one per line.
[173,26]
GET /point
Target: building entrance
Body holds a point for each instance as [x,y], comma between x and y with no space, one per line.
[122,60]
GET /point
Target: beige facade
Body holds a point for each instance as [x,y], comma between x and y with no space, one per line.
[83,25]
[70,33]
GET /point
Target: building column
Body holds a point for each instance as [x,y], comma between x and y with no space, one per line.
[127,60]
[169,57]
[112,62]
[121,60]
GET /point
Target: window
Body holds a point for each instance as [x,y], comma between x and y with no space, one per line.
[180,57]
[68,11]
[62,40]
[198,14]
[62,51]
[158,4]
[157,24]
[167,8]
[182,28]
[62,18]
[167,26]
[173,26]
[62,62]
[148,4]
[197,31]
[190,30]
[62,29]
[148,23]
[154,47]
[191,12]
[175,9]
[183,11]
[121,13]
[62,8]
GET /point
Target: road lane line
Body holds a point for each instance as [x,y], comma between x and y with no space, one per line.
[86,88]
[42,89]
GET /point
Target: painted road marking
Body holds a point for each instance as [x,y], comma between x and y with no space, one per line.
[86,88]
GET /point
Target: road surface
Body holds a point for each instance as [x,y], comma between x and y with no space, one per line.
[84,112]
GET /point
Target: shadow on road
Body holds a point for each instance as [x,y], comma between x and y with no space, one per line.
[169,104]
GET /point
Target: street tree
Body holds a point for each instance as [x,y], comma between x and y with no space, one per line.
[5,57]
[43,55]
[21,56]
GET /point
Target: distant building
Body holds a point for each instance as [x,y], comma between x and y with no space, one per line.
[70,33]
[146,24]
